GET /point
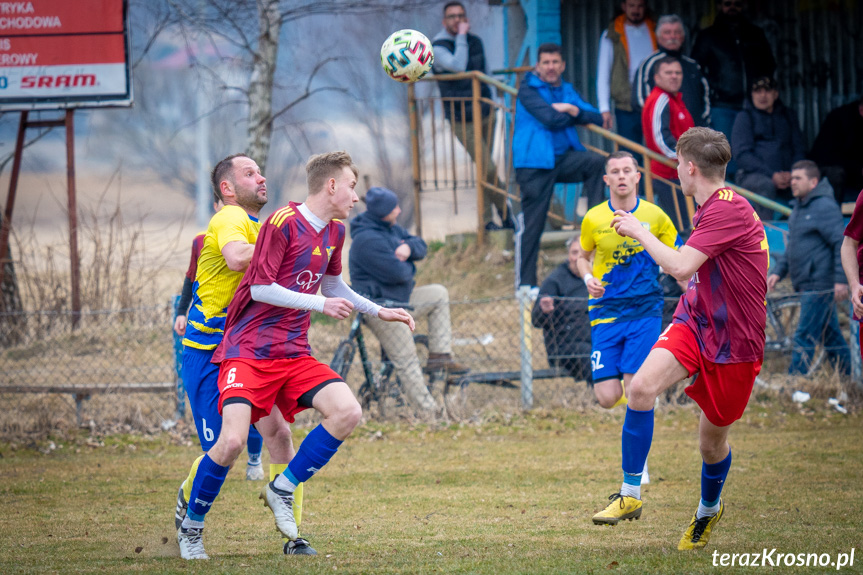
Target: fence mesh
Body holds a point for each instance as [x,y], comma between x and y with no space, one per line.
[115,369]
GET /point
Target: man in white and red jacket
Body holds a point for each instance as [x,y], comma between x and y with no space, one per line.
[664,119]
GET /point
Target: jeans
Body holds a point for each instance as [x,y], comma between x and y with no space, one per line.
[819,324]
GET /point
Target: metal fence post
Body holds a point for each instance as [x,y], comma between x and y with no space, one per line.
[856,367]
[178,362]
[526,295]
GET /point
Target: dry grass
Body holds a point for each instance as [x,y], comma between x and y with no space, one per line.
[513,495]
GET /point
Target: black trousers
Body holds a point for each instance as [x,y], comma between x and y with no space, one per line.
[536,187]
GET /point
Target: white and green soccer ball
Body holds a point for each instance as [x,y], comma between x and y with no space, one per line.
[407,56]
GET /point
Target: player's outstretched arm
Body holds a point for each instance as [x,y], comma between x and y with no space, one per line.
[397,314]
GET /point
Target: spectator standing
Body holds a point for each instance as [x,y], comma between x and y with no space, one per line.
[838,150]
[766,141]
[457,50]
[813,259]
[670,36]
[664,119]
[561,312]
[546,150]
[382,268]
[852,261]
[733,53]
[629,39]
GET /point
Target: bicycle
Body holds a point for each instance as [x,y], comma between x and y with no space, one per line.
[783,314]
[380,386]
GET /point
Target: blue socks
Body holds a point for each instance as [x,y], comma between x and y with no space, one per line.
[315,451]
[636,438]
[712,479]
[205,488]
[254,445]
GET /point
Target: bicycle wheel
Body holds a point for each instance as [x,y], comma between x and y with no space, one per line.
[782,319]
[343,358]
[467,400]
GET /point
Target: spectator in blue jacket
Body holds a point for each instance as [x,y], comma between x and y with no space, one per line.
[546,150]
[382,268]
[765,141]
[814,261]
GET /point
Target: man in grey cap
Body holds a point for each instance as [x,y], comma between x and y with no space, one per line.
[382,268]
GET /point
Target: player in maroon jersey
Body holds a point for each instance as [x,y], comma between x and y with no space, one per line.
[267,371]
[717,331]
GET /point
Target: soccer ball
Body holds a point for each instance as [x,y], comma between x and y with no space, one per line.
[407,56]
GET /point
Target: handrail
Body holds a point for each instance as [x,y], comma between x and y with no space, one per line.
[474,102]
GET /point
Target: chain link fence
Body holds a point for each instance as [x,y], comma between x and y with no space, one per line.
[115,370]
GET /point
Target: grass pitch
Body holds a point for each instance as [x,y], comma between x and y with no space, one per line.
[513,495]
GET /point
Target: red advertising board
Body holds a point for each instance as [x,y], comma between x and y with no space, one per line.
[58,54]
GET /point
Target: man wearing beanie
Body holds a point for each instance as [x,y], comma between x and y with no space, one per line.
[382,268]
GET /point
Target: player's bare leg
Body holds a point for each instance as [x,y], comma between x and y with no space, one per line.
[659,371]
[341,414]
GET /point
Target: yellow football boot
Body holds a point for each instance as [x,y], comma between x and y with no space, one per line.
[621,507]
[697,534]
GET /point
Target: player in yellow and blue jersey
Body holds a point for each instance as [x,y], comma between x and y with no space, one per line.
[226,252]
[625,304]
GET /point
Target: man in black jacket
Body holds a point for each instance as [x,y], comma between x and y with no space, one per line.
[732,53]
[670,36]
[382,269]
[813,258]
[766,140]
[457,50]
[561,312]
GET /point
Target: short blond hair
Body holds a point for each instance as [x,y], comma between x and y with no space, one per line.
[707,149]
[322,167]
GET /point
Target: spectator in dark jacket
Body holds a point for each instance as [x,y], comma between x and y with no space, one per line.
[457,50]
[766,140]
[733,53]
[670,36]
[838,150]
[813,259]
[382,268]
[561,312]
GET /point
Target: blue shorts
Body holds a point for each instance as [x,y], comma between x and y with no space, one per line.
[200,377]
[622,347]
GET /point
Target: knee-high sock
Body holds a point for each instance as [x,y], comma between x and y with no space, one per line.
[187,484]
[254,445]
[636,438]
[205,488]
[712,479]
[275,470]
[315,451]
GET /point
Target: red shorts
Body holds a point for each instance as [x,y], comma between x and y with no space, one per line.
[721,390]
[267,382]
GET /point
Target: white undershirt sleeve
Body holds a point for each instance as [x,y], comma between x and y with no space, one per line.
[335,286]
[274,294]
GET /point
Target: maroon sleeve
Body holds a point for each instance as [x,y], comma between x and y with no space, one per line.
[854,229]
[197,243]
[719,228]
[335,266]
[270,250]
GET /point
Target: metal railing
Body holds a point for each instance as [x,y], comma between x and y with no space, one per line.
[436,165]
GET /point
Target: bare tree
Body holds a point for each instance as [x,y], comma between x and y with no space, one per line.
[231,21]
